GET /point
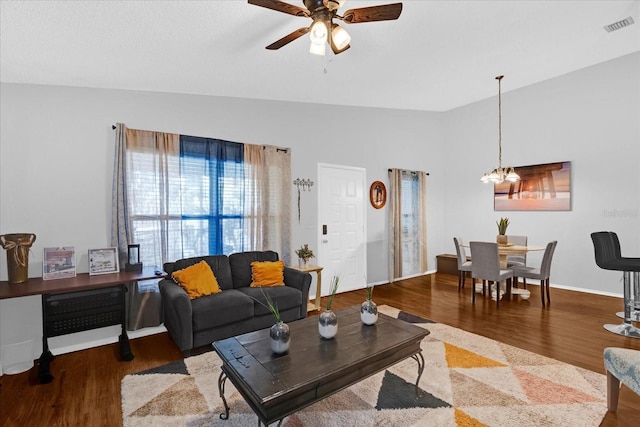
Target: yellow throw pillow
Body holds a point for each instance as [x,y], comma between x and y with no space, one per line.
[267,273]
[198,280]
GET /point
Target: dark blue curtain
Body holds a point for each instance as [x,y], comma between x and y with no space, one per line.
[212,202]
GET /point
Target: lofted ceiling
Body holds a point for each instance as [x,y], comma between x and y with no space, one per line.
[437,56]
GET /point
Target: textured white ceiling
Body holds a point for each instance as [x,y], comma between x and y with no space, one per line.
[438,55]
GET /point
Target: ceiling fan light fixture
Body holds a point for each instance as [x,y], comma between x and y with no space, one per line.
[322,14]
[340,37]
[318,33]
[318,49]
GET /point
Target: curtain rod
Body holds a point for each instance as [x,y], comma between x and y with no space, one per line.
[263,147]
[389,171]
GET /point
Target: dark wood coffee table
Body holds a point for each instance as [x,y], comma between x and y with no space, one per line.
[275,386]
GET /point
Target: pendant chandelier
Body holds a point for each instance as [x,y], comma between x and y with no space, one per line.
[500,174]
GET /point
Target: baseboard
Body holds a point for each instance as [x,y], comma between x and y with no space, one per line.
[586,291]
[108,340]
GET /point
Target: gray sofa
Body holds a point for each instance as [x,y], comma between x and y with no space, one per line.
[198,322]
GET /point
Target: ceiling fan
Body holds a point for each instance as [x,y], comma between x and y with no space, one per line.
[323,30]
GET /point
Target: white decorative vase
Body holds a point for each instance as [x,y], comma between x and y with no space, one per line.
[369,312]
[303,263]
[328,324]
[280,337]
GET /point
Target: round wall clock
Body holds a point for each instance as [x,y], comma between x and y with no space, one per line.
[378,194]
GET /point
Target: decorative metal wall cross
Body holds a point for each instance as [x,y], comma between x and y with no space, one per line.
[306,185]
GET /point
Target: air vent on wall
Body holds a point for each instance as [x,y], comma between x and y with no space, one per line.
[617,25]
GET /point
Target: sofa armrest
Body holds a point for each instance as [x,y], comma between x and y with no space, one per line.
[301,281]
[177,313]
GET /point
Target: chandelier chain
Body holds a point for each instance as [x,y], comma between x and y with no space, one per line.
[499,78]
[500,174]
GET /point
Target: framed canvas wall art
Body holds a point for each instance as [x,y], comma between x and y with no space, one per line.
[545,187]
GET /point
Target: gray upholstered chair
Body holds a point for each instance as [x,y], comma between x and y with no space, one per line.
[623,366]
[541,273]
[464,266]
[517,260]
[486,266]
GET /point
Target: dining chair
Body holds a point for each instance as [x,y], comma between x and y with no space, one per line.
[542,273]
[517,260]
[486,267]
[464,266]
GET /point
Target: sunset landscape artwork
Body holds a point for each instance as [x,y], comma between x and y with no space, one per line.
[545,187]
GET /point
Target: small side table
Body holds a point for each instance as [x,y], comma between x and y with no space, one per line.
[318,270]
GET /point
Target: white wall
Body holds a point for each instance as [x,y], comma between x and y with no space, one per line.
[591,118]
[56,158]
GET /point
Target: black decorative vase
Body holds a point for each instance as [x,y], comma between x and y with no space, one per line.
[280,337]
[328,324]
[369,312]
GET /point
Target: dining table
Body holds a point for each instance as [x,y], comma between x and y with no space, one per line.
[504,250]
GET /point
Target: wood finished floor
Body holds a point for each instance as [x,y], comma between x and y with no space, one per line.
[86,388]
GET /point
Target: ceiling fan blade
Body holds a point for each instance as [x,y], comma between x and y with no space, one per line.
[288,38]
[385,12]
[281,7]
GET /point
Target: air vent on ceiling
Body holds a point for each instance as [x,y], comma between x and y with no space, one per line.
[620,24]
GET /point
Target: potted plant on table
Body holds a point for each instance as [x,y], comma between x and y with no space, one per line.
[328,320]
[304,255]
[502,239]
[279,334]
[369,309]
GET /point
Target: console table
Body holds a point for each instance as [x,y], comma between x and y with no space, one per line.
[79,303]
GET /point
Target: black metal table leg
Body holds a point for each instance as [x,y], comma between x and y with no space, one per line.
[221,382]
[420,360]
[125,347]
[44,372]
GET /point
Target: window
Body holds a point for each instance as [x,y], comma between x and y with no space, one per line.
[182,196]
[410,223]
[186,203]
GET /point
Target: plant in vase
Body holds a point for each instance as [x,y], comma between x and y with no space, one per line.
[328,320]
[369,309]
[502,239]
[279,334]
[304,255]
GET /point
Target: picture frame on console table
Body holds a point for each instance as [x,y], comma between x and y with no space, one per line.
[103,261]
[58,263]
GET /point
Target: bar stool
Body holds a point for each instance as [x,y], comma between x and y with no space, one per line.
[608,258]
[635,308]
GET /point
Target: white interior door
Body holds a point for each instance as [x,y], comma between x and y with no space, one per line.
[341,216]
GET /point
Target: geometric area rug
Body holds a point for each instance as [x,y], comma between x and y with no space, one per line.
[468,380]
